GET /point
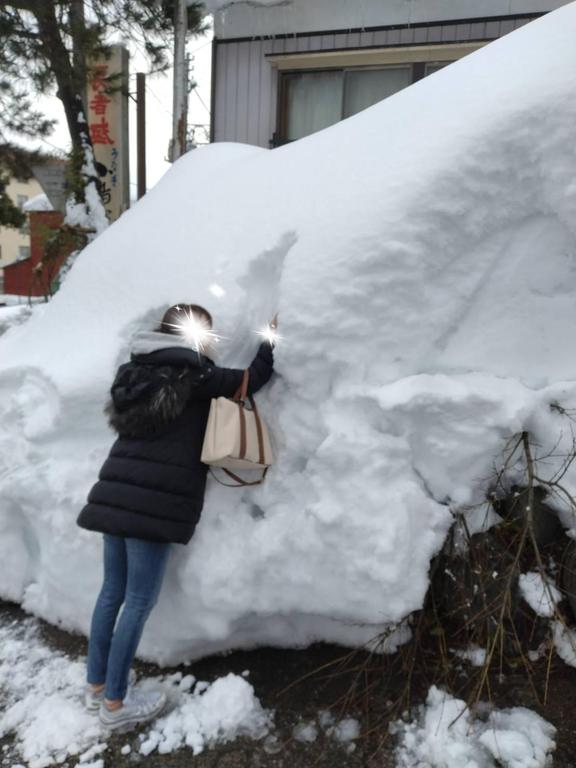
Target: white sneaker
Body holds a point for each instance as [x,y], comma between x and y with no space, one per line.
[93,699]
[139,707]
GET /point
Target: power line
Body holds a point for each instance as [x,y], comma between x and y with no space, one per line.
[209,42]
[54,146]
[151,92]
[195,90]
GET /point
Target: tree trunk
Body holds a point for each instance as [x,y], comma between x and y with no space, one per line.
[78,27]
[69,85]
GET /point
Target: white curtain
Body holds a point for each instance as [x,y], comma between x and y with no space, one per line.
[314,101]
[365,87]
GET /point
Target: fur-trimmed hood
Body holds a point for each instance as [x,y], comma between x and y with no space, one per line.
[152,390]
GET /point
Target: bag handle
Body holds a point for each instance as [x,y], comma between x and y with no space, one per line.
[259,431]
[242,391]
[240,397]
[239,482]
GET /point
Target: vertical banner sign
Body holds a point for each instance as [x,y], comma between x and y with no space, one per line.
[107,104]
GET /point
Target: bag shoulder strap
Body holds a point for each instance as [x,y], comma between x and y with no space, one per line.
[242,391]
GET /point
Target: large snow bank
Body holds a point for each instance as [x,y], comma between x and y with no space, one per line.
[422,257]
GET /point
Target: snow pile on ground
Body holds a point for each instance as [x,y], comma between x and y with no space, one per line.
[13,315]
[40,696]
[446,735]
[539,592]
[422,258]
[217,713]
[41,705]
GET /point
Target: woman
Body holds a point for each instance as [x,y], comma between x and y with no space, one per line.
[150,492]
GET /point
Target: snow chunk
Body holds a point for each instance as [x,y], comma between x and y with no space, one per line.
[565,643]
[346,730]
[519,738]
[539,592]
[220,712]
[307,733]
[475,655]
[38,203]
[445,735]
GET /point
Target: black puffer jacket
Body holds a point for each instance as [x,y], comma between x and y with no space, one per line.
[152,484]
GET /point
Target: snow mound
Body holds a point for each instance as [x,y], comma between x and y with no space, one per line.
[445,735]
[422,257]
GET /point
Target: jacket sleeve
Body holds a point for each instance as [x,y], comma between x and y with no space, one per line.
[214,381]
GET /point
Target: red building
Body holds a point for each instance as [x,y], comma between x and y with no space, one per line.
[29,277]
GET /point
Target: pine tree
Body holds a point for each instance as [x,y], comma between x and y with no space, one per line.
[45,45]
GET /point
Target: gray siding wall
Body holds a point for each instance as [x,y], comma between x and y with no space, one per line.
[246,84]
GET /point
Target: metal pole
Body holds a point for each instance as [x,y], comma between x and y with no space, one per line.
[141,132]
[179,117]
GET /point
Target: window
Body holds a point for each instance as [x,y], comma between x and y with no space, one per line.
[23,252]
[313,100]
[365,87]
[434,66]
[21,200]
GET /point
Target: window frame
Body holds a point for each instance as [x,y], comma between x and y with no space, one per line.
[286,75]
[417,57]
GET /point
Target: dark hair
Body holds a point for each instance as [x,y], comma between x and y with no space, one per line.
[174,315]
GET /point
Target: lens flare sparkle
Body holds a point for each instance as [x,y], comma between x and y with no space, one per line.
[270,335]
[196,330]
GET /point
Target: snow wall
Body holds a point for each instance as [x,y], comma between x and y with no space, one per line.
[422,256]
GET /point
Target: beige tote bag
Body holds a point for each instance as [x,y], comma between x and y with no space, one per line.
[236,437]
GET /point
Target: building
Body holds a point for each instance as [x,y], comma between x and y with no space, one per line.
[283,70]
[48,184]
[15,243]
[37,275]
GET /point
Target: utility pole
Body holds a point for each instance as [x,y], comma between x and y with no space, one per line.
[141,131]
[180,102]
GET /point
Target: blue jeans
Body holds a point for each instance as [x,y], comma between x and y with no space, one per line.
[133,573]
